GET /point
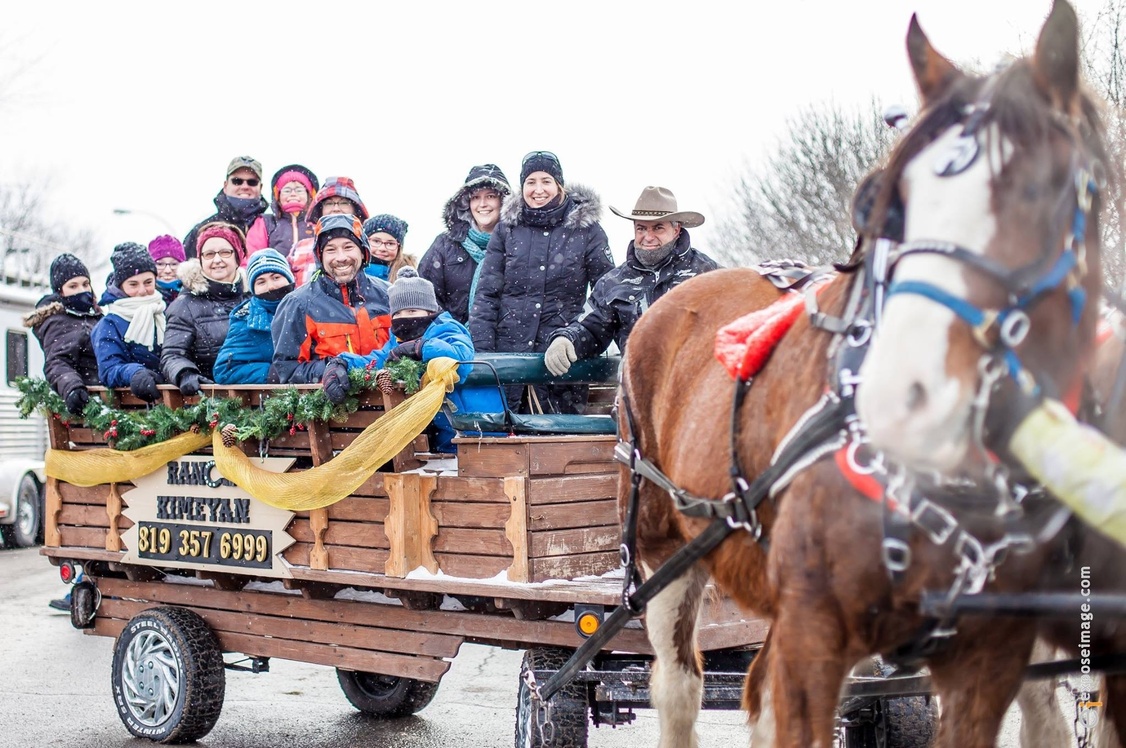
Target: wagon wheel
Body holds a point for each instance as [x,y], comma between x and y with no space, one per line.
[568,728]
[900,722]
[26,529]
[168,680]
[385,696]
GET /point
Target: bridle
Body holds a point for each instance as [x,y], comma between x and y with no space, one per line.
[999,331]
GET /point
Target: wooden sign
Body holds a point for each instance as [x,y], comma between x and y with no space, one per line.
[188,516]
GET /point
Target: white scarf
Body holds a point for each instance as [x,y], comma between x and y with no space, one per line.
[145,315]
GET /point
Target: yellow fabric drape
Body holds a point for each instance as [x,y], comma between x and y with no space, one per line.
[338,478]
[93,467]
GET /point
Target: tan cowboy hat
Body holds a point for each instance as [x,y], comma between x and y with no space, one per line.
[659,204]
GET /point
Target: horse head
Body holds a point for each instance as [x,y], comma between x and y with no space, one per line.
[994,284]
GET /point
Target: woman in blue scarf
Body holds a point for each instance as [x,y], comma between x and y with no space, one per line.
[248,349]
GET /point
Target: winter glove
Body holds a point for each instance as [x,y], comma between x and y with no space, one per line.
[354,360]
[409,349]
[143,385]
[189,383]
[560,355]
[76,400]
[335,381]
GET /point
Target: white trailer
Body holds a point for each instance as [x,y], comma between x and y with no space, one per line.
[23,442]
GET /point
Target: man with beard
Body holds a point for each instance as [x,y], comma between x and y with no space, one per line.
[238,203]
[659,259]
[342,310]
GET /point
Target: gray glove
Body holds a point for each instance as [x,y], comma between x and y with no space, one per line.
[559,356]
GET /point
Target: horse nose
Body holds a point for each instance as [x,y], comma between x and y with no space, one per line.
[916,397]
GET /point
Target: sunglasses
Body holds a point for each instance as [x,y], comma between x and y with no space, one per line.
[537,154]
[238,181]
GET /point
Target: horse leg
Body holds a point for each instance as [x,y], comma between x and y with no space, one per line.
[1041,722]
[676,685]
[976,683]
[807,667]
[756,699]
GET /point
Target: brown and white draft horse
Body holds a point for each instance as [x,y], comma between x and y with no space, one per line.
[822,581]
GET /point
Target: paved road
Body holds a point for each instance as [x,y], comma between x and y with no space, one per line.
[55,691]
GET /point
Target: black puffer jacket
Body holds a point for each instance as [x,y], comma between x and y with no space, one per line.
[69,361]
[621,296]
[197,323]
[227,213]
[535,279]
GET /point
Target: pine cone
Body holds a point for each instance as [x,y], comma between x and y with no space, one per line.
[229,434]
[194,428]
[384,381]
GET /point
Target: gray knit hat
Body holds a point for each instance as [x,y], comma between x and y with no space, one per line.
[409,291]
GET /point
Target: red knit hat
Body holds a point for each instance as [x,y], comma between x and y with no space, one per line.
[223,231]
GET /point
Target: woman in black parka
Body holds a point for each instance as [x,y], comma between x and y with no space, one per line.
[62,322]
[547,252]
[454,257]
[199,318]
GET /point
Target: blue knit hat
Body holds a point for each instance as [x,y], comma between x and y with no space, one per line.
[388,224]
[267,261]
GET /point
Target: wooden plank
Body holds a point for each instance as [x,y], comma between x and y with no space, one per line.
[493,460]
[578,540]
[355,534]
[473,541]
[343,558]
[90,515]
[319,632]
[72,494]
[461,489]
[516,528]
[359,420]
[52,508]
[594,456]
[578,514]
[82,537]
[558,490]
[57,433]
[569,567]
[373,486]
[454,514]
[113,516]
[472,567]
[410,527]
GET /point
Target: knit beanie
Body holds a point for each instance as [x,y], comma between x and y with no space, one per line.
[339,224]
[294,176]
[388,224]
[130,259]
[166,246]
[409,291]
[489,175]
[267,261]
[63,268]
[222,231]
[541,161]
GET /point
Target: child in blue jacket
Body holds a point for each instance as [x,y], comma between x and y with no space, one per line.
[422,331]
[249,348]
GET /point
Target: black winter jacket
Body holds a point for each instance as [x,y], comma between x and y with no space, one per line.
[69,361]
[446,264]
[225,212]
[622,295]
[197,322]
[535,279]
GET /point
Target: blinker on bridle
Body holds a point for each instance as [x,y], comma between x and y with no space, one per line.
[1002,330]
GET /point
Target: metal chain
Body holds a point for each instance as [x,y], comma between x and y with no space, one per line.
[542,720]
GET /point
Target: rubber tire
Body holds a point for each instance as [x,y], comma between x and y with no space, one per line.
[910,722]
[569,709]
[385,696]
[199,662]
[30,501]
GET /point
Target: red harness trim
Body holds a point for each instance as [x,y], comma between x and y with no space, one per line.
[743,346]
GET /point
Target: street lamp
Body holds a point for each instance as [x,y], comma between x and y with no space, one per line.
[131,211]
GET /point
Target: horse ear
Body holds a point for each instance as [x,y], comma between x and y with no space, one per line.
[933,72]
[1056,62]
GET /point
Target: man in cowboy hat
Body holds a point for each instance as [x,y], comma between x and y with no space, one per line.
[659,258]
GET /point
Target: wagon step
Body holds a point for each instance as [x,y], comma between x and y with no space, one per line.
[1064,605]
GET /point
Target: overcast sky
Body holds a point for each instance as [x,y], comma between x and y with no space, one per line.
[141,105]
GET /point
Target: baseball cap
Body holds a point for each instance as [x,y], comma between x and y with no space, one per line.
[244,162]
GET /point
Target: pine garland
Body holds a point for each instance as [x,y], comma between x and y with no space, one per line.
[284,411]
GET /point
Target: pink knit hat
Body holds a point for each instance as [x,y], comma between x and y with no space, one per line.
[164,246]
[295,176]
[224,231]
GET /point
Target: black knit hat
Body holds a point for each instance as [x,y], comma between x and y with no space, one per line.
[129,259]
[488,175]
[63,268]
[541,161]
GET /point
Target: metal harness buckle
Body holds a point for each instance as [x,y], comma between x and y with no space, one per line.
[926,512]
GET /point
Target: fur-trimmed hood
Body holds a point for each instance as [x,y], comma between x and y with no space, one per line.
[196,283]
[50,309]
[456,212]
[586,210]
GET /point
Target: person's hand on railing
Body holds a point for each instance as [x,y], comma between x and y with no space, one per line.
[190,383]
[560,355]
[409,349]
[76,400]
[335,381]
[143,384]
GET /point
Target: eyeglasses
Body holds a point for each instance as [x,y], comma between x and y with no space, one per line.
[226,254]
[291,189]
[388,243]
[238,181]
[341,202]
[168,265]
[537,154]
